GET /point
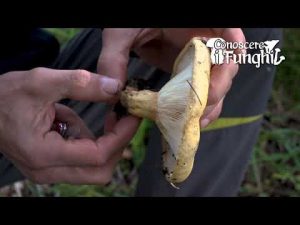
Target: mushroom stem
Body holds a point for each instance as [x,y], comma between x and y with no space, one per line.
[140,103]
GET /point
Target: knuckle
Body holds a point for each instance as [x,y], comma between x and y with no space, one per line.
[34,78]
[80,78]
[103,155]
[36,73]
[102,159]
[107,57]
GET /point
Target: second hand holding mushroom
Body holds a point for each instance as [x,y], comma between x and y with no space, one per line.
[160,47]
[177,108]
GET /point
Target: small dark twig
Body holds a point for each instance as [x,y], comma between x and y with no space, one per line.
[194,91]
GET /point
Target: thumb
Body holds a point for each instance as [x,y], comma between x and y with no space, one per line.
[114,56]
[80,85]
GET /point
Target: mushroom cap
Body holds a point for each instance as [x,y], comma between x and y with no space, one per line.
[180,105]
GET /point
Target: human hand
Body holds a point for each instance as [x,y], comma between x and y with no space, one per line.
[28,109]
[160,47]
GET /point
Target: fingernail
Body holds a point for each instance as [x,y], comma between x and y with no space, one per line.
[204,39]
[204,122]
[244,51]
[110,86]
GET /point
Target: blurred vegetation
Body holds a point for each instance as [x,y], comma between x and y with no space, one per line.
[63,35]
[274,169]
[275,166]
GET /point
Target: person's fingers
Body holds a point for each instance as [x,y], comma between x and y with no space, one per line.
[232,35]
[53,150]
[81,152]
[114,56]
[110,121]
[180,36]
[211,115]
[120,135]
[79,85]
[74,175]
[220,81]
[76,126]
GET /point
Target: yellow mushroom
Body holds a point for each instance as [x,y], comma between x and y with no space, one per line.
[177,108]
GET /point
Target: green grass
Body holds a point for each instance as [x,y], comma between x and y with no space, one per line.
[274,169]
[138,142]
[63,35]
[275,166]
